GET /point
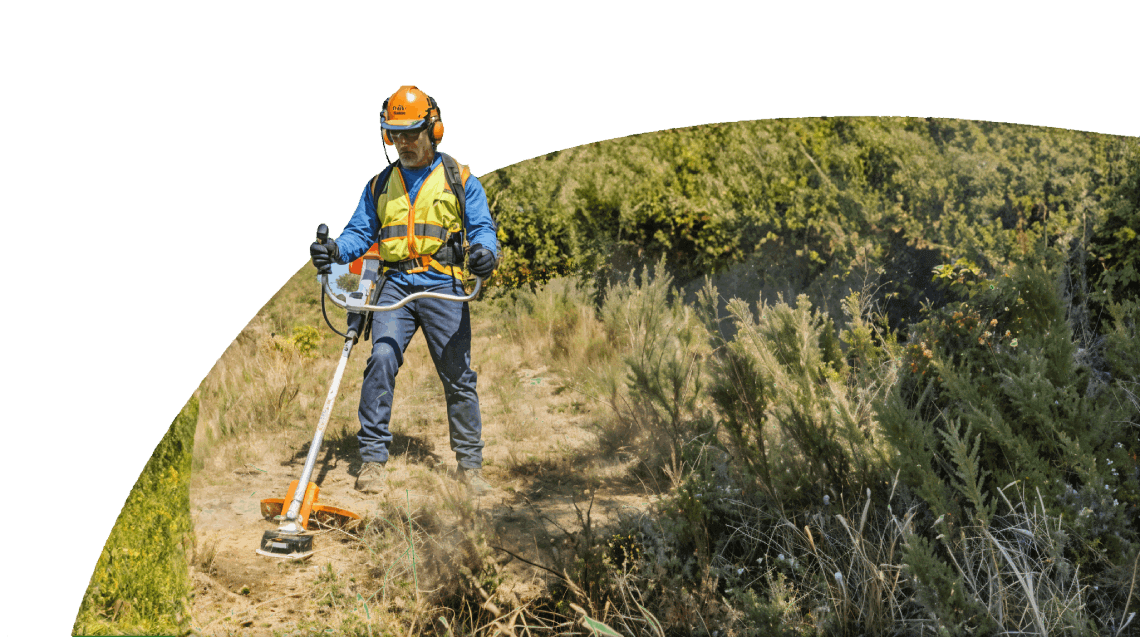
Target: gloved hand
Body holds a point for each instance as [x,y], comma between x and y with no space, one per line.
[324,255]
[481,261]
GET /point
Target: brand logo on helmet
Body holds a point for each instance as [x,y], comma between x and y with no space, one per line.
[398,109]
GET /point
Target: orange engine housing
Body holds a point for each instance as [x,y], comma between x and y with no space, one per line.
[357,266]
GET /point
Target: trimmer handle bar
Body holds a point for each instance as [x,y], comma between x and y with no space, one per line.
[370,268]
[364,307]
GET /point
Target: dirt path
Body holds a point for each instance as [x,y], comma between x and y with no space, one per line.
[539,461]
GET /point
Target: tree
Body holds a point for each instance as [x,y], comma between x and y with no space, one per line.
[348,282]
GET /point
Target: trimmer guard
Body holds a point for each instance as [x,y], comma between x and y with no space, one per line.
[325,515]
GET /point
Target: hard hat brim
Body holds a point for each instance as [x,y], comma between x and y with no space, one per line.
[402,124]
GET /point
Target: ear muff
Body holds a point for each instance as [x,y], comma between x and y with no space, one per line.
[384,133]
[437,123]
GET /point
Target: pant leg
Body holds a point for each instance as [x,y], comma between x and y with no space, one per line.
[391,333]
[447,330]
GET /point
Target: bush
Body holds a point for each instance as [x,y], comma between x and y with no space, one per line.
[995,392]
[306,339]
[659,410]
[798,418]
[990,392]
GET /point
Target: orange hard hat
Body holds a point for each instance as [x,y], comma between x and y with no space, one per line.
[409,108]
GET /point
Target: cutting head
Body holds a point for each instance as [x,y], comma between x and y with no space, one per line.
[286,545]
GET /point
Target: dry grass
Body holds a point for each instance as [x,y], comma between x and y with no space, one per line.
[1015,567]
[425,565]
[422,563]
[847,566]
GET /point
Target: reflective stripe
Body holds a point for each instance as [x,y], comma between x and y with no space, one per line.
[422,230]
[431,230]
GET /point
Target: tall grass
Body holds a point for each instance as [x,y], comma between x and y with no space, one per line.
[272,378]
[554,324]
[141,584]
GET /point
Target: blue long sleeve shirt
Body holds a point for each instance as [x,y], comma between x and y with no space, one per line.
[363,228]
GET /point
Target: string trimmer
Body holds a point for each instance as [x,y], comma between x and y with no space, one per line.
[291,540]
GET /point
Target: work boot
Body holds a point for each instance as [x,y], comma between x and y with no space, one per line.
[371,478]
[473,478]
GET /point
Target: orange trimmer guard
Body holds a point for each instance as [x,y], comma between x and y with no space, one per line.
[324,515]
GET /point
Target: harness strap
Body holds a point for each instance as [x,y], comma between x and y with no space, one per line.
[409,264]
[447,254]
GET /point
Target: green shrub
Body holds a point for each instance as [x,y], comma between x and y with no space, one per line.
[1114,250]
[659,410]
[797,417]
[941,589]
[996,392]
[306,338]
[812,195]
[348,282]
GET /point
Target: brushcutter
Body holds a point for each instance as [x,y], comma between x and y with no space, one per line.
[291,539]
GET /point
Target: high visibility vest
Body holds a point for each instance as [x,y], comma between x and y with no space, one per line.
[415,230]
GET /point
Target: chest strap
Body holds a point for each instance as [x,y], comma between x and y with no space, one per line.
[450,253]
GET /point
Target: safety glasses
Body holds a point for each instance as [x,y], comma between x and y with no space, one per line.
[405,135]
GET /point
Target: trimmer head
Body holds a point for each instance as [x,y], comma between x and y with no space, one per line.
[290,540]
[290,546]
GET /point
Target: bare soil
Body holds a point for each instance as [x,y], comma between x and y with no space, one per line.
[539,456]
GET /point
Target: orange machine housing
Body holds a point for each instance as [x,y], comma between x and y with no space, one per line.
[357,266]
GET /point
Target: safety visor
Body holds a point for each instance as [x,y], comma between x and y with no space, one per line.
[403,124]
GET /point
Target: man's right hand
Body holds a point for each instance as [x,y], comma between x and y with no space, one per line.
[324,255]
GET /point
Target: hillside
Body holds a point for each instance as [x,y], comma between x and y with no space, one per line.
[817,376]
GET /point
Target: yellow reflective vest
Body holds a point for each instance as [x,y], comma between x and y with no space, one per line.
[417,229]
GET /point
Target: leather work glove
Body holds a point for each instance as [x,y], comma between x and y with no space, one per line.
[324,256]
[481,261]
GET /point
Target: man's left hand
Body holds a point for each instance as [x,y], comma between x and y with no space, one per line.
[481,261]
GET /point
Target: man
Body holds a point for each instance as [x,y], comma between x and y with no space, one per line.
[413,215]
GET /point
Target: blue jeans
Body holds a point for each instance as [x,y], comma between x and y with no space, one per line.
[447,330]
